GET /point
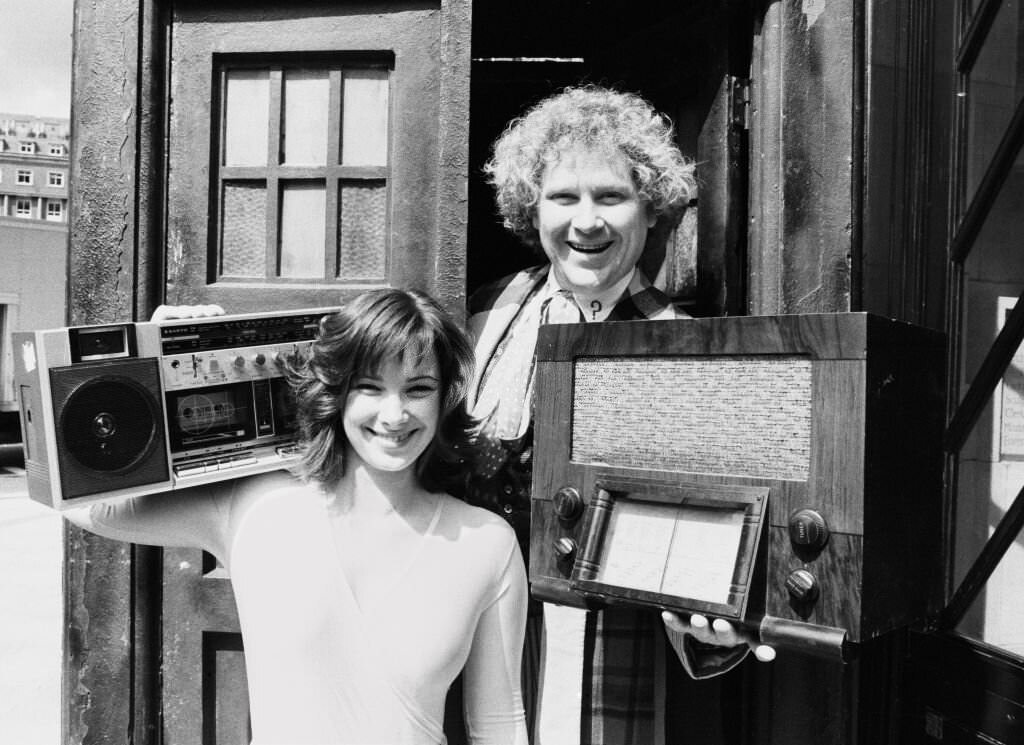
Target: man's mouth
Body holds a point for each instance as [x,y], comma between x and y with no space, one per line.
[589,248]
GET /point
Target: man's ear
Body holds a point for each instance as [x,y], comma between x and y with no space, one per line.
[652,217]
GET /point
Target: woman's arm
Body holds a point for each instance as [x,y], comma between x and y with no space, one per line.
[189,518]
[493,696]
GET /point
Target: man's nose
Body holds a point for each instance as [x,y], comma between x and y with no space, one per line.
[587,217]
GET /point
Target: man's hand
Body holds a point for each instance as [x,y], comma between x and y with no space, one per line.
[171,312]
[718,632]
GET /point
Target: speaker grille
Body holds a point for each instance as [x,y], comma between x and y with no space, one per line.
[745,416]
[110,426]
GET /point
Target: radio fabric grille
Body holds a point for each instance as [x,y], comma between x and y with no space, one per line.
[748,416]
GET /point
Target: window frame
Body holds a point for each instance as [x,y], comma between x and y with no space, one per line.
[332,174]
[51,181]
[19,212]
[24,177]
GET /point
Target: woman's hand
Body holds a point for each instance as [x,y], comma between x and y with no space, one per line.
[719,633]
[171,312]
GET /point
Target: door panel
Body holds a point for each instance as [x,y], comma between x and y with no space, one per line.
[303,152]
[305,162]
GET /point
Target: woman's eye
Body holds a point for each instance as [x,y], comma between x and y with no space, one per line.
[366,387]
[562,198]
[611,197]
[422,390]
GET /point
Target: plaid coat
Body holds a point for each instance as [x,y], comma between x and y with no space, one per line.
[620,644]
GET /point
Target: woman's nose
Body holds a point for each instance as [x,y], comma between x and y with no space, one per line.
[392,409]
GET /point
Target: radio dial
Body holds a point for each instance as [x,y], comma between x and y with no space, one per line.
[239,361]
[565,548]
[568,504]
[259,359]
[802,586]
[808,530]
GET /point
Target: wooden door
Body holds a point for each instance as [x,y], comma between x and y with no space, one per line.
[312,153]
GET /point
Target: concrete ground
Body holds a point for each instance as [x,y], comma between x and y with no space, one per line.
[30,611]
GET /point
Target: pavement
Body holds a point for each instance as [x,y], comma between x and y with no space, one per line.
[31,546]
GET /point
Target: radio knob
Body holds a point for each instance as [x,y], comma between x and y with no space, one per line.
[239,361]
[259,359]
[565,548]
[568,504]
[802,586]
[808,530]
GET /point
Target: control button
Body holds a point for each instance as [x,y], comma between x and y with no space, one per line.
[239,361]
[808,530]
[259,359]
[802,586]
[565,548]
[568,504]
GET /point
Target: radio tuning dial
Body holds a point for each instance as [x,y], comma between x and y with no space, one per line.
[239,361]
[259,359]
[808,530]
[802,586]
[568,504]
[565,548]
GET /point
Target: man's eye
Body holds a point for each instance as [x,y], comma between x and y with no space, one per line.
[422,390]
[365,387]
[562,198]
[611,197]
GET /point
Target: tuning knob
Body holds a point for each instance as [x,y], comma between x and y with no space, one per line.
[568,504]
[565,548]
[808,530]
[802,586]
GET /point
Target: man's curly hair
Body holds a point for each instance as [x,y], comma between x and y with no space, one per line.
[596,119]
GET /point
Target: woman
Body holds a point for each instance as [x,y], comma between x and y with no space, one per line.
[585,175]
[371,540]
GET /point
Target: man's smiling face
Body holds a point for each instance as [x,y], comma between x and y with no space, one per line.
[592,222]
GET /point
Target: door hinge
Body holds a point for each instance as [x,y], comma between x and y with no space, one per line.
[741,103]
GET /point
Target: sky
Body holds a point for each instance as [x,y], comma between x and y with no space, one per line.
[35,56]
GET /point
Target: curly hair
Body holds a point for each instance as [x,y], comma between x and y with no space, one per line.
[365,334]
[594,118]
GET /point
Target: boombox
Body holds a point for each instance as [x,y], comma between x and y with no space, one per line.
[125,409]
[783,472]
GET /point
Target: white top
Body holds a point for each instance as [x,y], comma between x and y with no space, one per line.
[321,668]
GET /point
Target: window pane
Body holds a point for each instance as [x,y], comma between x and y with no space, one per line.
[247,117]
[306,97]
[364,132]
[362,244]
[244,238]
[302,230]
[991,466]
[994,88]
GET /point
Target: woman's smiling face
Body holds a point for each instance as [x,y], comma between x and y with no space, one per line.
[391,415]
[592,222]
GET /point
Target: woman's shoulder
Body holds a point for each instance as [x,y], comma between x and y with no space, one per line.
[473,523]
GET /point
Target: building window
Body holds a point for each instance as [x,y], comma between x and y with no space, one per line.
[56,149]
[302,178]
[55,211]
[28,147]
[24,177]
[55,178]
[23,208]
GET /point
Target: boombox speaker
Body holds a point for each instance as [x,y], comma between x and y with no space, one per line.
[108,418]
[784,472]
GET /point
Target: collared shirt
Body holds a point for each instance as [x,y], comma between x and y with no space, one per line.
[617,700]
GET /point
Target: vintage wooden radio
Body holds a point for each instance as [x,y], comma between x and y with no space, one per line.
[783,472]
